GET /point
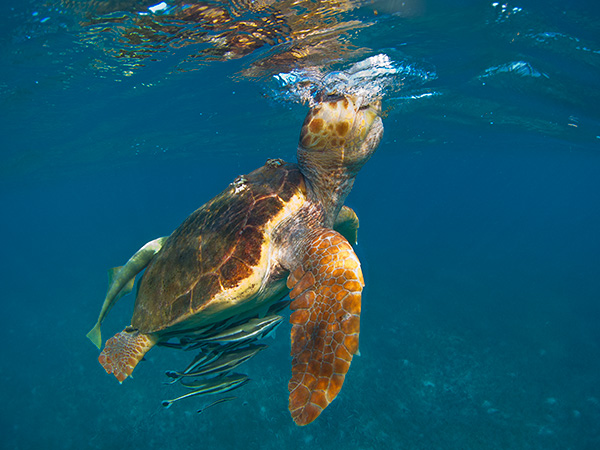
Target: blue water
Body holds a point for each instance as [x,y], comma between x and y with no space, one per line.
[479,227]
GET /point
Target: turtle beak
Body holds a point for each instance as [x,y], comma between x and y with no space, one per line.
[367,115]
[368,130]
[375,108]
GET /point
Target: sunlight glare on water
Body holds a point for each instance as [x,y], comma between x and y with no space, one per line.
[373,78]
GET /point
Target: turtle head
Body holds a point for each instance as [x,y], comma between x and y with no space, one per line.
[340,132]
[339,135]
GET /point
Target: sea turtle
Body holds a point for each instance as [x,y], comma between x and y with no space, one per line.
[270,232]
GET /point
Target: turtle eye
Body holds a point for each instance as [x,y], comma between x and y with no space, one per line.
[333,97]
[330,97]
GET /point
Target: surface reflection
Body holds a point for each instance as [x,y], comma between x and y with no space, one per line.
[290,33]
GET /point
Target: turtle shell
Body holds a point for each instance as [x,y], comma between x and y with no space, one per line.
[218,263]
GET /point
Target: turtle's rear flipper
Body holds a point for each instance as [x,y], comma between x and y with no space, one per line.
[123,351]
[326,291]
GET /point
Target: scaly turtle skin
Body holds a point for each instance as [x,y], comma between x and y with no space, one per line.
[268,233]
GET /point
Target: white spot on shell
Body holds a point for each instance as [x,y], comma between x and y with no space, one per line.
[239,184]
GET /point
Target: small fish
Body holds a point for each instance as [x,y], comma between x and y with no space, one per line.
[222,383]
[253,329]
[209,346]
[216,402]
[278,307]
[225,362]
[120,283]
[213,386]
[193,332]
[200,360]
[175,345]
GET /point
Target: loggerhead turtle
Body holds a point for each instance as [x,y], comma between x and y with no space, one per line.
[269,232]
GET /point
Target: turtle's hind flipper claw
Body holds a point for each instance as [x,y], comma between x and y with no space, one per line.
[123,351]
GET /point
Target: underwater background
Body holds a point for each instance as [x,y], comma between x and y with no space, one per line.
[480,215]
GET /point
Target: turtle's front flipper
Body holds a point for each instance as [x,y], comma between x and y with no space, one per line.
[346,223]
[120,282]
[327,289]
[123,351]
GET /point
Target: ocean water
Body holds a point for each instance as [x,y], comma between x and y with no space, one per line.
[480,216]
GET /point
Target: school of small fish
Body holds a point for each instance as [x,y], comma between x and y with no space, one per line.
[222,347]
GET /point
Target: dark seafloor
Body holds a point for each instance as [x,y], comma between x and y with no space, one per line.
[479,236]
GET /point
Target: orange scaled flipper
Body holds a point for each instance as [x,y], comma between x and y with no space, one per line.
[123,351]
[326,298]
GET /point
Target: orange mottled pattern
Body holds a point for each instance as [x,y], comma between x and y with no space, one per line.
[327,125]
[326,294]
[123,351]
